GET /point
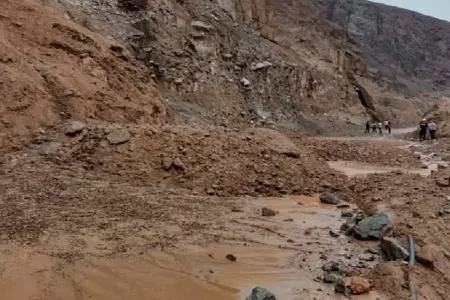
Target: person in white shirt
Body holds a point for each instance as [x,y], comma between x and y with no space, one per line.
[432,127]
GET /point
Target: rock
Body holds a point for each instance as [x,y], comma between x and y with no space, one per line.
[200,25]
[331,267]
[372,250]
[443,181]
[339,285]
[261,65]
[179,81]
[267,212]
[118,136]
[75,127]
[288,220]
[178,164]
[428,255]
[359,285]
[167,163]
[442,165]
[329,278]
[259,293]
[49,148]
[329,198]
[393,249]
[308,231]
[347,214]
[343,205]
[245,81]
[334,233]
[231,257]
[367,257]
[290,241]
[370,228]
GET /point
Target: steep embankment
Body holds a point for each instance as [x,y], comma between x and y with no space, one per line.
[53,69]
[403,45]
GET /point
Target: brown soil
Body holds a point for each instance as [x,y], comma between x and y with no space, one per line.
[122,205]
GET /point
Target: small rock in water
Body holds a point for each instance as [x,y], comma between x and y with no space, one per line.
[329,198]
[393,249]
[359,285]
[339,285]
[334,234]
[260,293]
[329,278]
[372,250]
[288,220]
[231,257]
[347,214]
[118,136]
[308,231]
[368,257]
[331,267]
[370,228]
[343,205]
[267,212]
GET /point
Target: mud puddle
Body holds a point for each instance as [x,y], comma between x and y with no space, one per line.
[353,168]
[284,253]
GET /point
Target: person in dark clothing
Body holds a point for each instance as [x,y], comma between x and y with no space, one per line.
[374,127]
[368,127]
[389,127]
[423,125]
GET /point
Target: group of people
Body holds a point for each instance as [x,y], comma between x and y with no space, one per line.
[425,126]
[378,127]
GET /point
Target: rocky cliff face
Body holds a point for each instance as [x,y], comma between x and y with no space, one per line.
[399,43]
[232,61]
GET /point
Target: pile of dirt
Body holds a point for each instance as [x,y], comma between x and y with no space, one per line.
[213,160]
[381,153]
[53,69]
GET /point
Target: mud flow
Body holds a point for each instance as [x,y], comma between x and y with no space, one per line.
[287,260]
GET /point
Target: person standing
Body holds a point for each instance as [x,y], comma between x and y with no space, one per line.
[380,128]
[389,127]
[432,128]
[374,127]
[386,123]
[368,127]
[423,125]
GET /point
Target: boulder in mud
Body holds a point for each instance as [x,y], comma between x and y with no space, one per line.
[371,227]
[259,293]
[359,285]
[329,198]
[118,136]
[329,278]
[231,257]
[339,285]
[178,164]
[443,181]
[267,212]
[75,127]
[393,249]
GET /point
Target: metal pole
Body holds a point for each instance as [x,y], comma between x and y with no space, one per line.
[412,258]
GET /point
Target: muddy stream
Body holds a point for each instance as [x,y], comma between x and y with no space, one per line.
[284,253]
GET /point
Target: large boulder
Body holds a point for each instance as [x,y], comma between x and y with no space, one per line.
[371,228]
[260,293]
[393,249]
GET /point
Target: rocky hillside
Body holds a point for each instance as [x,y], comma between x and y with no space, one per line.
[401,44]
[242,61]
[52,69]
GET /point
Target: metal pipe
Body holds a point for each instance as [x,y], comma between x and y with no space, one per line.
[412,259]
[412,252]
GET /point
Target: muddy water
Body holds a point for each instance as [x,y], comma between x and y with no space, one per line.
[279,256]
[353,168]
